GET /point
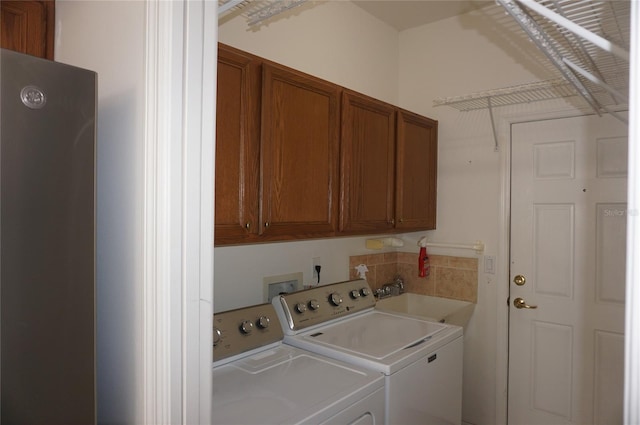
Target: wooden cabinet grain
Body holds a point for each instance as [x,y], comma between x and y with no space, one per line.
[299,155]
[237,146]
[417,160]
[367,165]
[389,168]
[27,26]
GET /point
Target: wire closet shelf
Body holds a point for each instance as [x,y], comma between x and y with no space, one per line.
[586,41]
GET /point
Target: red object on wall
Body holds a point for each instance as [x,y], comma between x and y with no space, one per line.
[423,263]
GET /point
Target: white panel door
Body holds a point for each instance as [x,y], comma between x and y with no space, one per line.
[568,226]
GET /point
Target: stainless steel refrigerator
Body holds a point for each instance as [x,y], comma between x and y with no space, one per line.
[47,242]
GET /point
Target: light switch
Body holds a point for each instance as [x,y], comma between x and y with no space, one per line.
[490,264]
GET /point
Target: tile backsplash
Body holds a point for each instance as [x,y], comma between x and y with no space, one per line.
[449,277]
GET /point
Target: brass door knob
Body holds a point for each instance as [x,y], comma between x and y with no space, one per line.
[520,303]
[519,280]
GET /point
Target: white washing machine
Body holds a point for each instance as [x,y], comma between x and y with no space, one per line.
[421,360]
[258,380]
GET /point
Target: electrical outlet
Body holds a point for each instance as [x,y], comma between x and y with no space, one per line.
[317,261]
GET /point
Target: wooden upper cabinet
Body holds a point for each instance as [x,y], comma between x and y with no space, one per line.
[237,146]
[28,27]
[417,159]
[299,155]
[367,164]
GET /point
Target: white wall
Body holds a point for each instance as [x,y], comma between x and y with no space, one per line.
[333,40]
[107,37]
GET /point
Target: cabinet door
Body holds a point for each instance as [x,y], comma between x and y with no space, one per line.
[417,159]
[28,27]
[367,164]
[237,147]
[300,142]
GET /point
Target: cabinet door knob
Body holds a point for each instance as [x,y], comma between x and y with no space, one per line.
[401,220]
[392,221]
[266,224]
[247,226]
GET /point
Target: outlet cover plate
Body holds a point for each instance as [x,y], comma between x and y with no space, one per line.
[286,283]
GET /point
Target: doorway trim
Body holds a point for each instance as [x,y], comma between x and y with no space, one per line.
[179,144]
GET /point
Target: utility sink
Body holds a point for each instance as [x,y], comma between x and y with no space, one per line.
[438,309]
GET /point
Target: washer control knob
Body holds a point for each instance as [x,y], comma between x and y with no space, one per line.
[314,304]
[263,322]
[365,292]
[301,307]
[335,299]
[246,327]
[217,336]
[354,294]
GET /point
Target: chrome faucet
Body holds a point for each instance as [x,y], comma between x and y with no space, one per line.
[390,289]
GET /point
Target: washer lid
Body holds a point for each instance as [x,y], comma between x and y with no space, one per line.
[287,385]
[376,335]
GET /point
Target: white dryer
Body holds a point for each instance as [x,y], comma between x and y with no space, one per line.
[257,380]
[421,359]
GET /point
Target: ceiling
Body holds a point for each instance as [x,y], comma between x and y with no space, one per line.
[402,14]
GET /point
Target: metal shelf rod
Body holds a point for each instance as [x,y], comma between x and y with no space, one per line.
[229,5]
[478,246]
[615,93]
[576,29]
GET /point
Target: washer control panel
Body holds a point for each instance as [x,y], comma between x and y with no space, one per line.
[244,329]
[313,306]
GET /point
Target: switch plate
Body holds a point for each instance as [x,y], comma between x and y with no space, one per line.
[490,264]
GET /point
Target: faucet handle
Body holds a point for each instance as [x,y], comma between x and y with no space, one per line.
[399,283]
[383,292]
